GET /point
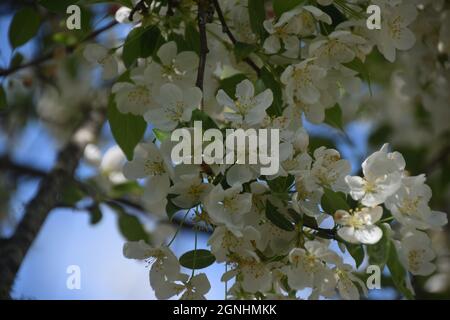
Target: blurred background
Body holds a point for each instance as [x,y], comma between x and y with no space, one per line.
[40,105]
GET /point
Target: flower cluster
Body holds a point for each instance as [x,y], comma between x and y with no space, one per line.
[268,229]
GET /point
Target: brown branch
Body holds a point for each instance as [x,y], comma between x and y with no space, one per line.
[48,197]
[230,35]
[202,20]
[48,56]
[20,169]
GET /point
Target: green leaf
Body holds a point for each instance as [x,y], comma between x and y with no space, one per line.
[281,6]
[58,6]
[130,226]
[192,38]
[126,3]
[229,84]
[296,217]
[24,26]
[333,201]
[276,109]
[277,218]
[243,50]
[333,117]
[257,15]
[3,101]
[16,60]
[180,41]
[150,40]
[207,122]
[197,259]
[132,47]
[95,215]
[127,188]
[357,253]
[316,142]
[281,184]
[141,42]
[309,221]
[127,129]
[71,194]
[161,135]
[398,273]
[171,208]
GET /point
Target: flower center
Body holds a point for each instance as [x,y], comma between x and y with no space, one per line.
[154,168]
[139,95]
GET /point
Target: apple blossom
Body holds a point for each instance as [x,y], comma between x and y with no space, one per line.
[359,226]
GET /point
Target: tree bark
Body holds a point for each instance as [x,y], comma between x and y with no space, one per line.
[14,249]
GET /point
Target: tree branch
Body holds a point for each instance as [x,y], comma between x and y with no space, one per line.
[201,20]
[48,56]
[230,35]
[47,198]
[19,169]
[188,224]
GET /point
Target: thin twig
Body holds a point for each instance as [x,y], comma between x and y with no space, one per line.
[20,169]
[201,20]
[230,35]
[48,56]
[140,209]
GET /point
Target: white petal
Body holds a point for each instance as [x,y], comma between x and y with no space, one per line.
[223,99]
[201,283]
[405,40]
[157,188]
[348,234]
[167,52]
[137,250]
[187,60]
[239,174]
[272,44]
[245,90]
[369,235]
[134,169]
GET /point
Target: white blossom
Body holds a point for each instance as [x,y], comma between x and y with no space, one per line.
[228,206]
[175,106]
[307,267]
[359,226]
[394,33]
[165,267]
[247,109]
[382,177]
[416,253]
[302,82]
[409,205]
[175,67]
[138,96]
